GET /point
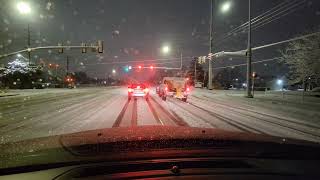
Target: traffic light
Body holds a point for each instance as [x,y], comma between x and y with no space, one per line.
[93,47]
[84,49]
[254,74]
[100,46]
[60,50]
[126,69]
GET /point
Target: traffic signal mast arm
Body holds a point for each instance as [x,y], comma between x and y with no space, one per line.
[99,47]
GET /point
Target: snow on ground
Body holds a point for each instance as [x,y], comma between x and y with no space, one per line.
[38,113]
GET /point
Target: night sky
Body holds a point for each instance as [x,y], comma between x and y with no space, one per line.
[137,29]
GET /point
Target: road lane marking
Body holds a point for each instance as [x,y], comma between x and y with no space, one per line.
[120,116]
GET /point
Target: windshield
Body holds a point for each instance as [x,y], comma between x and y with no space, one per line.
[69,66]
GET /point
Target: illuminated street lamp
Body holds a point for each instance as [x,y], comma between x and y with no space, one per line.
[19,55]
[279,82]
[225,7]
[165,49]
[23,7]
[113,71]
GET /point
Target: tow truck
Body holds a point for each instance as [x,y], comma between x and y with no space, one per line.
[176,87]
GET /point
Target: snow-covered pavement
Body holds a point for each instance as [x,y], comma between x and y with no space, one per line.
[59,111]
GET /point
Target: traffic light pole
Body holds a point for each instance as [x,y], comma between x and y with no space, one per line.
[195,71]
[29,43]
[249,56]
[210,73]
[67,65]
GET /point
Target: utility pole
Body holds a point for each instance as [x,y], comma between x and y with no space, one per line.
[29,43]
[210,73]
[195,70]
[67,65]
[249,56]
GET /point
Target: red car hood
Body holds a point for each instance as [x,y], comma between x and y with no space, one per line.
[96,144]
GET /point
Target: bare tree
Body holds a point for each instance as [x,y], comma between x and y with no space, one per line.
[303,60]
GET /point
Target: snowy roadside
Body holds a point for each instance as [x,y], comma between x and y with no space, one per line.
[288,106]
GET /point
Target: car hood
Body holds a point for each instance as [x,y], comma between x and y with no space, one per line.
[128,142]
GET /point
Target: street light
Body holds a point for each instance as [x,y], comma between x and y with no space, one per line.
[113,71]
[226,7]
[23,7]
[165,49]
[279,82]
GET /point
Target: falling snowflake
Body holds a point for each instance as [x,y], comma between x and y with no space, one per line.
[203,21]
[6,21]
[75,13]
[6,29]
[49,51]
[62,27]
[101,11]
[44,40]
[41,16]
[123,20]
[116,57]
[81,63]
[49,5]
[9,41]
[1,46]
[68,42]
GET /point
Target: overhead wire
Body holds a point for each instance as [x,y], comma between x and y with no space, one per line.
[244,64]
[266,17]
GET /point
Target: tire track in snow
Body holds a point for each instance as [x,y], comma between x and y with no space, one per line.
[154,113]
[173,116]
[121,115]
[134,116]
[303,132]
[229,121]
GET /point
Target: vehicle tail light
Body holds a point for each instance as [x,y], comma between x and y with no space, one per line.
[188,89]
[129,90]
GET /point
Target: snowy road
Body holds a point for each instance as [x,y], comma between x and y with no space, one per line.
[59,111]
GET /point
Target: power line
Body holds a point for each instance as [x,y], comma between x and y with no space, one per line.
[286,7]
[265,18]
[244,64]
[286,41]
[142,61]
[260,16]
[276,17]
